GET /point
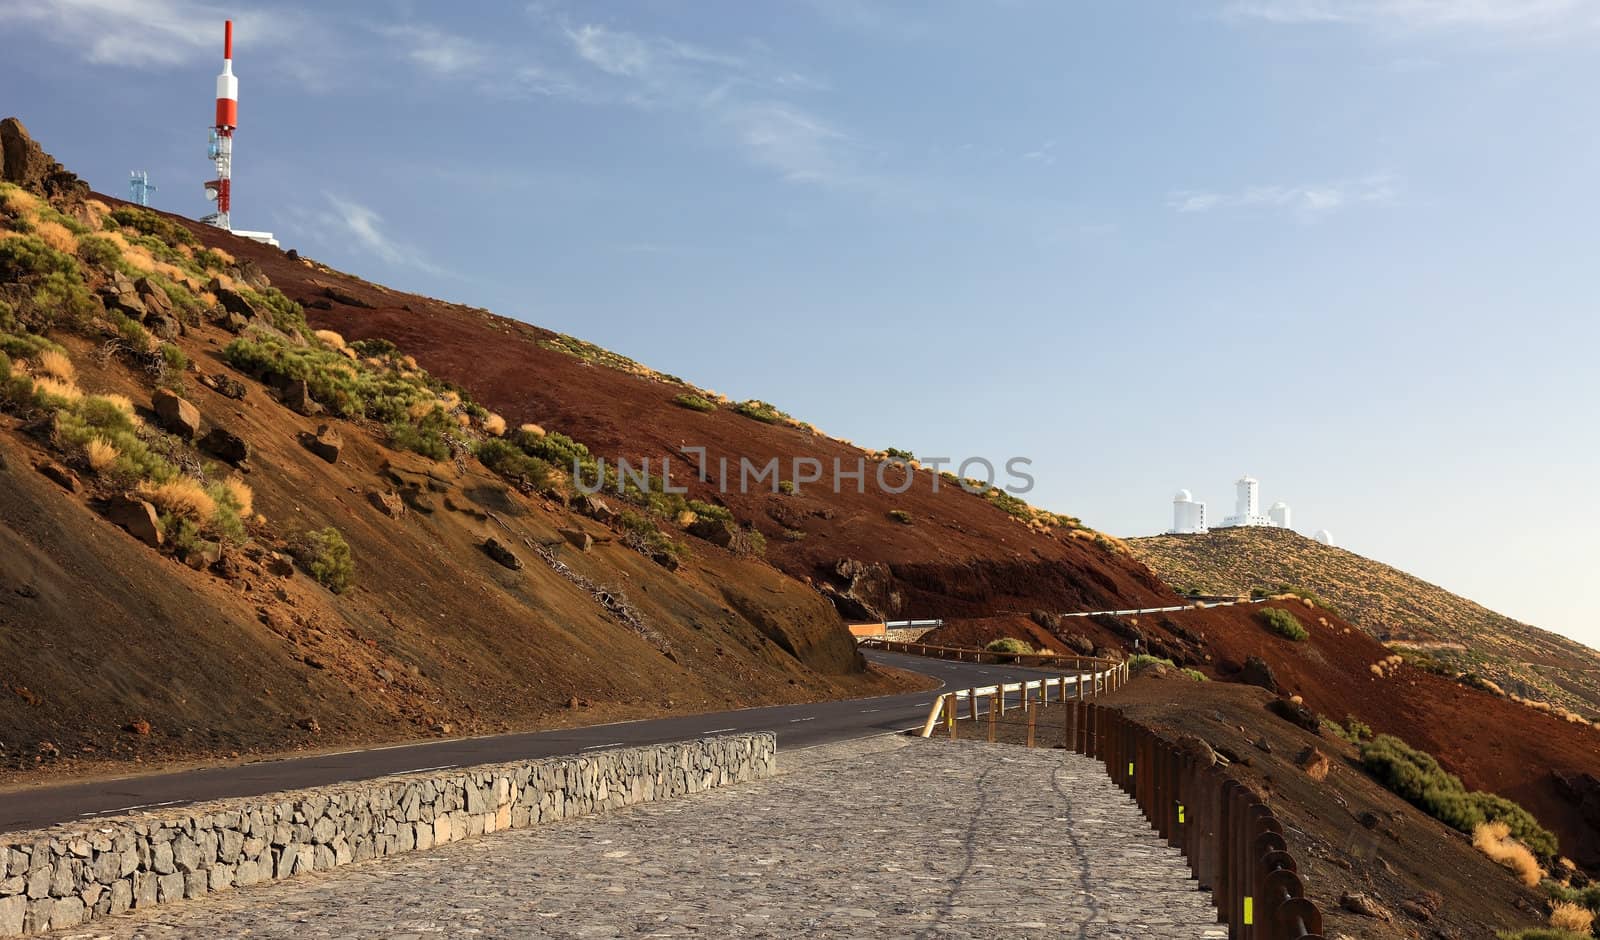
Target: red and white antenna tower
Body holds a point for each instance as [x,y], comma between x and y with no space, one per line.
[221,153]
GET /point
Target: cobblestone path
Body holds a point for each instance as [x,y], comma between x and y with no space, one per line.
[892,838]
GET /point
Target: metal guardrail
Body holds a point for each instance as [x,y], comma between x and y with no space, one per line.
[1084,685]
[967,655]
[1232,841]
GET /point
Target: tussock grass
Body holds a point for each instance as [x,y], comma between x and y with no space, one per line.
[100,454]
[243,496]
[180,496]
[1494,840]
[56,364]
[55,392]
[1564,915]
[494,424]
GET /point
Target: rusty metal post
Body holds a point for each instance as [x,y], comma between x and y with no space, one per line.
[1032,718]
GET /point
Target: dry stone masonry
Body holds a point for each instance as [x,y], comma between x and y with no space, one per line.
[65,876]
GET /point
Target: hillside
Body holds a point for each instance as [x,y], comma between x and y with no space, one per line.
[1400,609]
[154,366]
[165,588]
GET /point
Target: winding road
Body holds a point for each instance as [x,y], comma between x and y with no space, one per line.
[797,726]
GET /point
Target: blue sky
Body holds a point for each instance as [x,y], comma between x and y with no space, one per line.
[1345,246]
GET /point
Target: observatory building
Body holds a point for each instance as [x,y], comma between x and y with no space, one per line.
[1189,515]
[1247,506]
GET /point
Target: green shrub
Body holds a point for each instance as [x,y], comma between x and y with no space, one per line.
[140,451]
[1416,776]
[760,411]
[326,556]
[347,389]
[173,358]
[895,453]
[1195,674]
[146,222]
[1009,644]
[1587,897]
[426,437]
[98,251]
[181,532]
[694,402]
[513,463]
[646,535]
[284,313]
[1284,623]
[900,516]
[786,487]
[376,348]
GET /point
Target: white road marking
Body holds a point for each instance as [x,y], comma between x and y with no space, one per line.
[868,711]
[716,731]
[420,770]
[596,747]
[124,809]
[793,720]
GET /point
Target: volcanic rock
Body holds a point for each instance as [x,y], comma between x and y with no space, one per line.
[502,553]
[138,517]
[226,445]
[326,443]
[175,414]
[25,163]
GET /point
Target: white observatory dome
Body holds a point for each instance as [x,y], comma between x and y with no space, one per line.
[1325,537]
[1184,496]
[1280,504]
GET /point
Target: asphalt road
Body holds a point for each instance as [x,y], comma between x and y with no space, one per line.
[797,726]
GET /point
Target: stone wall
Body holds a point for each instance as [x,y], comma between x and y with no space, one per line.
[64,876]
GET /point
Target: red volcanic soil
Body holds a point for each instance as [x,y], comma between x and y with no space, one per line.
[959,556]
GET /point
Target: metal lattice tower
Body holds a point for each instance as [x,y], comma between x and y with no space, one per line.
[221,151]
[140,187]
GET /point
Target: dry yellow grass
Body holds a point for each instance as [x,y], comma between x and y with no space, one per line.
[57,365]
[331,338]
[97,213]
[100,454]
[464,419]
[243,496]
[122,403]
[1494,840]
[421,409]
[20,202]
[181,497]
[494,424]
[1566,915]
[532,429]
[449,396]
[57,388]
[57,236]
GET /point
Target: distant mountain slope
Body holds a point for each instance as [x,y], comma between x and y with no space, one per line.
[1394,606]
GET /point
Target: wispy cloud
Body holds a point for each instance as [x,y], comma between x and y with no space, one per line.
[1522,16]
[344,220]
[1305,201]
[435,50]
[741,99]
[1044,154]
[143,33]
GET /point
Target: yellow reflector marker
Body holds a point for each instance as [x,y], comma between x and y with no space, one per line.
[1180,812]
[1249,910]
[1130,768]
